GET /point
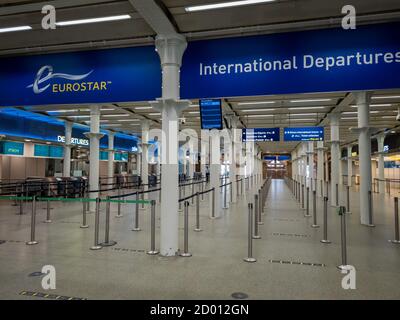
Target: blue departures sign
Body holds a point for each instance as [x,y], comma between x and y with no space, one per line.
[112,75]
[303,134]
[211,114]
[260,134]
[325,60]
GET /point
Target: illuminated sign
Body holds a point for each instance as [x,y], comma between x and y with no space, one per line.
[260,134]
[76,141]
[12,148]
[304,134]
[211,114]
[385,148]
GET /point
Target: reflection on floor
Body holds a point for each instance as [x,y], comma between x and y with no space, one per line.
[216,269]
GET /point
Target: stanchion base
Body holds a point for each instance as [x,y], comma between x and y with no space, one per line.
[256,237]
[370,225]
[395,241]
[185,254]
[136,229]
[198,230]
[250,259]
[307,215]
[343,267]
[326,241]
[152,252]
[108,244]
[119,216]
[348,212]
[213,218]
[31,243]
[314,226]
[96,248]
[84,226]
[47,221]
[260,222]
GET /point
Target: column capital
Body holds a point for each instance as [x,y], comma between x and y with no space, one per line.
[161,104]
[362,97]
[98,135]
[170,48]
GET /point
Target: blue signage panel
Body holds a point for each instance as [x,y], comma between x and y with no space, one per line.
[112,75]
[56,152]
[24,124]
[269,158]
[303,134]
[260,134]
[211,114]
[12,148]
[284,158]
[327,60]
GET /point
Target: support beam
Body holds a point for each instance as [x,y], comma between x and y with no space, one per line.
[335,155]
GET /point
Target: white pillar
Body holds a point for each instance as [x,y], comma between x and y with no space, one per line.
[138,163]
[110,163]
[320,167]
[364,143]
[204,156]
[145,157]
[381,162]
[232,169]
[94,135]
[170,50]
[349,166]
[310,160]
[335,154]
[192,154]
[215,170]
[67,149]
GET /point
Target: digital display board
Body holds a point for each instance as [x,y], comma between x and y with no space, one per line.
[260,134]
[284,158]
[304,134]
[211,114]
[269,158]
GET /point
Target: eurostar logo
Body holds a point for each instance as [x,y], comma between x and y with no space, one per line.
[46,73]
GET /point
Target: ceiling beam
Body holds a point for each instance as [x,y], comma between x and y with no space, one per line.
[156,16]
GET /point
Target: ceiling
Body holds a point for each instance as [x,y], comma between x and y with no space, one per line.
[269,111]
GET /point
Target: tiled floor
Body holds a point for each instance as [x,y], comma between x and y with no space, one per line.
[216,269]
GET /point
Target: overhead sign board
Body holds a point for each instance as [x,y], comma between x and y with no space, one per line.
[304,134]
[111,75]
[324,60]
[260,134]
[211,114]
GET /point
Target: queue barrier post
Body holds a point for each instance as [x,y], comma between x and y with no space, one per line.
[48,217]
[107,242]
[186,252]
[136,215]
[198,229]
[325,239]
[96,245]
[256,234]
[84,223]
[396,222]
[315,224]
[342,214]
[250,257]
[153,250]
[33,224]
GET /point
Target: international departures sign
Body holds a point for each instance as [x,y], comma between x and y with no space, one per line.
[326,60]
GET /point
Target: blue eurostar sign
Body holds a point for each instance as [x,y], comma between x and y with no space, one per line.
[303,134]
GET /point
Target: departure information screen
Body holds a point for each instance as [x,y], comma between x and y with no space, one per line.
[304,134]
[211,114]
[260,134]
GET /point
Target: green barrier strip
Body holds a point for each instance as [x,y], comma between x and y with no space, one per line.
[15,198]
[126,201]
[67,199]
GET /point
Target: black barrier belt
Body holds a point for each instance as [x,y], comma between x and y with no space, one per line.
[189,184]
[226,184]
[134,193]
[195,194]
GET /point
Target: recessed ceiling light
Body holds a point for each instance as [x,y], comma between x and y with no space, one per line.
[194,112]
[116,115]
[301,119]
[143,108]
[14,29]
[259,115]
[222,5]
[385,97]
[306,108]
[128,120]
[302,114]
[154,114]
[309,100]
[255,103]
[93,20]
[256,110]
